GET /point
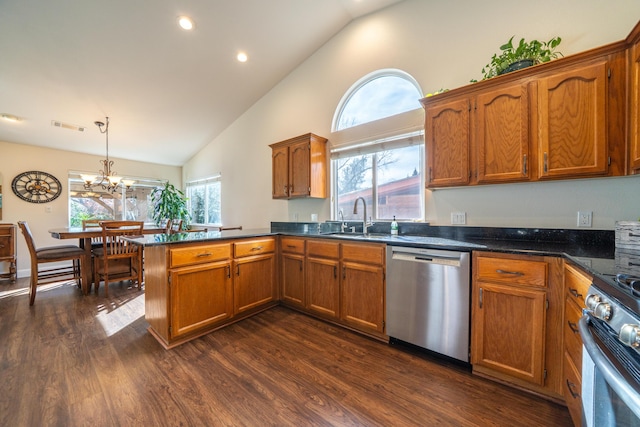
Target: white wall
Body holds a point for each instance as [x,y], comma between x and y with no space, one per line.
[17,158]
[443,45]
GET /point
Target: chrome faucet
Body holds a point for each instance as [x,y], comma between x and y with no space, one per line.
[364,218]
[343,224]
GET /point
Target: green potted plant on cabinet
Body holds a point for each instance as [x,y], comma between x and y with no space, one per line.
[169,203]
[524,54]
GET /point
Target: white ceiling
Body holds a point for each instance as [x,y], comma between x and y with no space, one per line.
[167,92]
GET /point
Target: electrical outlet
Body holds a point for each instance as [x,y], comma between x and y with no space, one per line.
[584,218]
[458,218]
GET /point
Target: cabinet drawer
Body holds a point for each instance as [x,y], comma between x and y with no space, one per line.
[512,271]
[572,390]
[323,249]
[253,247]
[576,284]
[369,254]
[292,245]
[199,254]
[572,340]
[6,246]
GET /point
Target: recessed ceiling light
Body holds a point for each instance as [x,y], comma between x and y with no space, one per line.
[185,23]
[242,57]
[10,117]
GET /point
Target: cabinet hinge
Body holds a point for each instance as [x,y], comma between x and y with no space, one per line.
[546,304]
[170,330]
[609,160]
[169,280]
[545,374]
[384,324]
[609,73]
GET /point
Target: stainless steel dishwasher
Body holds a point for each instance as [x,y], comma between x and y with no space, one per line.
[427,299]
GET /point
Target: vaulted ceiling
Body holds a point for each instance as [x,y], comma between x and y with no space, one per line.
[168,92]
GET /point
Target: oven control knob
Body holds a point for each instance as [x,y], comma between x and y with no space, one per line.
[630,335]
[591,301]
[602,311]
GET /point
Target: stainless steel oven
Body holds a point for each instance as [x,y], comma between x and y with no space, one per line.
[610,330]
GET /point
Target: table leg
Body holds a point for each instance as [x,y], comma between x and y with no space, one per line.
[85,266]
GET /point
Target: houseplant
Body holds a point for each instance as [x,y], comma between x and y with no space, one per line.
[524,54]
[169,203]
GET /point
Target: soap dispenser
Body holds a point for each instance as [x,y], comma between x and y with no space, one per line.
[394,227]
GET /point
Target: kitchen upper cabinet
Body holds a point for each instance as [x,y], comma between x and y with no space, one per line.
[501,140]
[447,139]
[299,167]
[558,120]
[573,122]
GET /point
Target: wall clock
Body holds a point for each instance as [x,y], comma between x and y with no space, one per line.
[36,186]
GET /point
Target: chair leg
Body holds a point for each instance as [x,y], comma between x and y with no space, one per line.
[33,286]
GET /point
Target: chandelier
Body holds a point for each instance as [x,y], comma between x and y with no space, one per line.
[108,180]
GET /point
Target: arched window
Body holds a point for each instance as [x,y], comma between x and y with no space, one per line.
[380,94]
[378,148]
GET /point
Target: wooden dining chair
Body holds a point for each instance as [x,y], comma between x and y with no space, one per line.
[51,254]
[118,260]
[174,226]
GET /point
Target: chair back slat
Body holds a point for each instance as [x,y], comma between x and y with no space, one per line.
[112,233]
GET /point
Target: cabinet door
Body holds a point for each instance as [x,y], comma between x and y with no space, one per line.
[293,279]
[254,282]
[634,91]
[572,122]
[363,296]
[502,135]
[323,287]
[201,296]
[280,172]
[508,331]
[447,143]
[299,171]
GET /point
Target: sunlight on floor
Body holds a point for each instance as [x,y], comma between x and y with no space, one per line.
[113,321]
[42,288]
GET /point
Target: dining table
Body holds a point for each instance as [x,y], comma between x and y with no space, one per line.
[84,236]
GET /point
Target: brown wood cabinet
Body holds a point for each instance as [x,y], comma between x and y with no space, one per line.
[572,122]
[516,326]
[299,167]
[634,98]
[559,120]
[8,250]
[576,284]
[254,282]
[344,282]
[292,270]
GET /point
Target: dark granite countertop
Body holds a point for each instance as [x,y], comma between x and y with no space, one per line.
[592,250]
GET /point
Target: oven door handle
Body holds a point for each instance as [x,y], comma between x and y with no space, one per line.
[610,373]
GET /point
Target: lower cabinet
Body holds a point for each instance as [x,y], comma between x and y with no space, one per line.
[292,270]
[192,289]
[516,321]
[201,296]
[344,282]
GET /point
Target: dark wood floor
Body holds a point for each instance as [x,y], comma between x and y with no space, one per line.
[73,360]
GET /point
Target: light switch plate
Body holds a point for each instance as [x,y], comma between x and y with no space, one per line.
[584,218]
[458,218]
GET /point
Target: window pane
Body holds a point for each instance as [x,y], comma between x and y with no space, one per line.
[197,199]
[381,97]
[399,183]
[354,179]
[213,203]
[204,201]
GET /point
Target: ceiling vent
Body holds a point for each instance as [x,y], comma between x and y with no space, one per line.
[67,126]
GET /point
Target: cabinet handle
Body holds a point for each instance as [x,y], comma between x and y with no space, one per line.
[1,246]
[300,265]
[256,248]
[206,254]
[573,327]
[228,272]
[291,246]
[335,272]
[238,270]
[285,190]
[480,297]
[511,273]
[344,272]
[575,293]
[546,166]
[524,165]
[571,386]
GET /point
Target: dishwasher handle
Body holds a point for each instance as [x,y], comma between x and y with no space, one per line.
[427,258]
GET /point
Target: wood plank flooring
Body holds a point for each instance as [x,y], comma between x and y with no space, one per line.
[73,360]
